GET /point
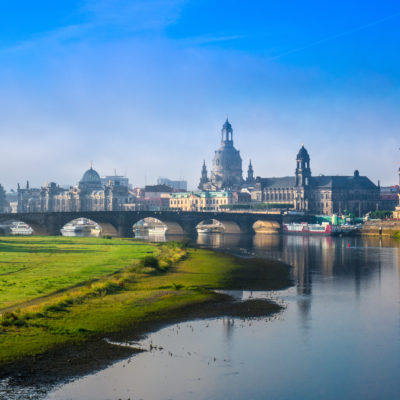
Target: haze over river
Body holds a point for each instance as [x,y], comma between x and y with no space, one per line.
[338,338]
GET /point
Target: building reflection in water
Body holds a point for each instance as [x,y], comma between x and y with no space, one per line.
[228,326]
[347,258]
[218,240]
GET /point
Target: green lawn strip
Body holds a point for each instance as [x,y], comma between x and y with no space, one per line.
[35,267]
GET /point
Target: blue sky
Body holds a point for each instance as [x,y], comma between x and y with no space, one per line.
[143,87]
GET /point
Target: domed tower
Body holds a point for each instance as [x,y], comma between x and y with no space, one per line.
[90,181]
[227,164]
[303,171]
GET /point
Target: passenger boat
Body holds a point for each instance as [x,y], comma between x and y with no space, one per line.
[20,228]
[80,227]
[305,228]
[71,228]
[157,229]
[210,229]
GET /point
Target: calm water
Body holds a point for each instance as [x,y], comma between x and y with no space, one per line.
[338,338]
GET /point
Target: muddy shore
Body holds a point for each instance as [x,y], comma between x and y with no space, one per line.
[64,364]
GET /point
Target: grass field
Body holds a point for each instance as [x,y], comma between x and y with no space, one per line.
[31,267]
[70,290]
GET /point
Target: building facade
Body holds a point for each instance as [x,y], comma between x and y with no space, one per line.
[389,197]
[319,194]
[199,201]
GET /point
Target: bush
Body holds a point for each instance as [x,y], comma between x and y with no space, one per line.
[152,262]
[176,286]
[12,319]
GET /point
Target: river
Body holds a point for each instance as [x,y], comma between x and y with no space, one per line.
[337,338]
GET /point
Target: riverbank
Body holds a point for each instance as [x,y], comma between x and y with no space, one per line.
[386,228]
[155,284]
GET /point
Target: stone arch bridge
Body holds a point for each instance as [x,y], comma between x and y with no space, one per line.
[120,223]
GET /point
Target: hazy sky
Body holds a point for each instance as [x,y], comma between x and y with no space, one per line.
[143,87]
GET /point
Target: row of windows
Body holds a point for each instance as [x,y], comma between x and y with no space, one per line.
[208,201]
[279,196]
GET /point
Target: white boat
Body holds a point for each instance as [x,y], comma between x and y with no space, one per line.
[305,228]
[204,229]
[157,229]
[80,226]
[71,228]
[20,228]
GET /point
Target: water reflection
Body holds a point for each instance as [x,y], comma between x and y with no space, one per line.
[338,338]
[218,240]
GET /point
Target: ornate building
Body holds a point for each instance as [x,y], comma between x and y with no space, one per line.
[89,195]
[226,173]
[319,194]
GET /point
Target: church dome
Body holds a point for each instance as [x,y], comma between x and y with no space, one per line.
[91,176]
[90,180]
[303,154]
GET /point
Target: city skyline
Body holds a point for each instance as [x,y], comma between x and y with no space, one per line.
[144,87]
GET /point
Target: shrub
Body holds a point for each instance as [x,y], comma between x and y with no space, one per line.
[12,319]
[152,262]
[176,286]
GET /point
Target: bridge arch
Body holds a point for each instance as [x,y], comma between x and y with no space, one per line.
[84,227]
[37,229]
[159,226]
[215,225]
[104,226]
[266,227]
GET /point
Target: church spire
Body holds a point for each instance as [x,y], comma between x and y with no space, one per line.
[250,173]
[204,176]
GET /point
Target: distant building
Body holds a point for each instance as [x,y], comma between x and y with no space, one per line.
[319,194]
[302,192]
[177,185]
[389,197]
[116,180]
[89,195]
[241,197]
[226,173]
[200,201]
[157,191]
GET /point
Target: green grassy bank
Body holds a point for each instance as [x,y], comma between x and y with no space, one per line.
[59,291]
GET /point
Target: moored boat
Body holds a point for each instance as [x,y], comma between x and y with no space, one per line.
[20,228]
[305,228]
[204,229]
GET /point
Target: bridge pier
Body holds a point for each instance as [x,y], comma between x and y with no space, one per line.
[125,231]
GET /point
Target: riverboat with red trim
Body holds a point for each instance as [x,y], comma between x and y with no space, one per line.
[305,228]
